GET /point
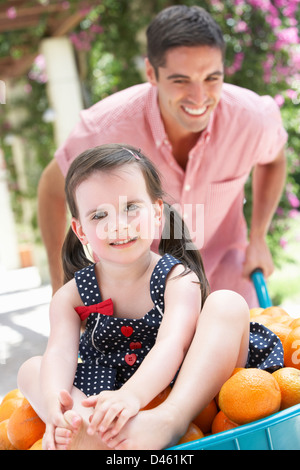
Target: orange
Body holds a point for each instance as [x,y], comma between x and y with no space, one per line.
[248,395]
[15,393]
[263,319]
[291,349]
[222,423]
[285,320]
[280,330]
[38,445]
[158,399]
[192,434]
[5,443]
[205,418]
[254,312]
[25,427]
[295,323]
[237,369]
[275,312]
[8,406]
[288,379]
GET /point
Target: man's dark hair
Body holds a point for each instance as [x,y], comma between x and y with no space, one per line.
[180,25]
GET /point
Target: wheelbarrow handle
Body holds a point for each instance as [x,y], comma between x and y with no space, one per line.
[260,285]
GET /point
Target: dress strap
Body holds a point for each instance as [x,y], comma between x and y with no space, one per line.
[159,278]
[87,285]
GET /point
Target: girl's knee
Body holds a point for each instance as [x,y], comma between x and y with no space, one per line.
[27,371]
[228,304]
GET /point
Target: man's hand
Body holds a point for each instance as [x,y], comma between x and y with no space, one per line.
[258,255]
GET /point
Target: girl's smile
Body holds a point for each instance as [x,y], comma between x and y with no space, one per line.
[116,213]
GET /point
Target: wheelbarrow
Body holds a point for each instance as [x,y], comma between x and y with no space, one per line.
[280,431]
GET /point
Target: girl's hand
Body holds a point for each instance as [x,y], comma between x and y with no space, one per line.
[56,419]
[112,410]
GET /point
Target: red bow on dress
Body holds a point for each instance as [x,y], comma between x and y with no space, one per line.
[105,307]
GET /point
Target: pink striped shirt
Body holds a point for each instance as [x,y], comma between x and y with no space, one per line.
[245,129]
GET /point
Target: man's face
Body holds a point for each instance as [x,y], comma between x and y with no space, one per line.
[189,87]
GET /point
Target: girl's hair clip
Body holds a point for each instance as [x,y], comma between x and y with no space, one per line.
[132,153]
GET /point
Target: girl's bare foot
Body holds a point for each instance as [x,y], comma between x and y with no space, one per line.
[74,436]
[153,429]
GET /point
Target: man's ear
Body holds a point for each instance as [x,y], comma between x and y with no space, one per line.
[77,229]
[150,72]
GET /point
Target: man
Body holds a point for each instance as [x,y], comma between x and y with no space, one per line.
[205,137]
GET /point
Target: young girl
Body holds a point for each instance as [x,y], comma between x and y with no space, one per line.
[140,311]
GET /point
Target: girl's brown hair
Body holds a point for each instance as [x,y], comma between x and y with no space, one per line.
[109,157]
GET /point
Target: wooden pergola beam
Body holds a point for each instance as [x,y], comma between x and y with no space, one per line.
[59,22]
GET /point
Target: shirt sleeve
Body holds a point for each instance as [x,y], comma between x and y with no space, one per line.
[274,136]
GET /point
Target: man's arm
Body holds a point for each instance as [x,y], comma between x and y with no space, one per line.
[52,219]
[267,186]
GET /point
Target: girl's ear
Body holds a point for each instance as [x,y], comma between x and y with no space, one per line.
[77,229]
[159,209]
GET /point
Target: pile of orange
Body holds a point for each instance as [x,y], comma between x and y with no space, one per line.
[20,426]
[285,327]
[252,394]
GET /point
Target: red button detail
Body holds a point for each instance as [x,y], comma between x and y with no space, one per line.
[130,359]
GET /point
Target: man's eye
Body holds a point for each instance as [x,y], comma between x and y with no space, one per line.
[180,81]
[99,215]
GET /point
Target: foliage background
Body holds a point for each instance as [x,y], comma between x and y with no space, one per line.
[263,54]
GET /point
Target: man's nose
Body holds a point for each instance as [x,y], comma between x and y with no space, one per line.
[197,93]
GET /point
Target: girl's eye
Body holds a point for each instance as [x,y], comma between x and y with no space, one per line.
[99,215]
[131,207]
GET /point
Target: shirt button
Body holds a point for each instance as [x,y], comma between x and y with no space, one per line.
[187,187]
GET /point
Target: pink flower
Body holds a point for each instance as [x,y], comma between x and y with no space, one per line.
[294,214]
[287,36]
[11,13]
[263,5]
[292,94]
[241,27]
[279,100]
[283,242]
[237,64]
[293,200]
[280,211]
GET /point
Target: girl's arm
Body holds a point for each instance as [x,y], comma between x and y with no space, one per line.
[60,359]
[182,308]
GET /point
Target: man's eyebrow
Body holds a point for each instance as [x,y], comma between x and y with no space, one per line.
[179,75]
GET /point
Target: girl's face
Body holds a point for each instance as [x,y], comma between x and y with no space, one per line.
[117,217]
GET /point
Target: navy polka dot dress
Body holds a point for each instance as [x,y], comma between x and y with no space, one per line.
[111,349]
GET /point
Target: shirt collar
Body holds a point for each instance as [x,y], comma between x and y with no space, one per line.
[154,118]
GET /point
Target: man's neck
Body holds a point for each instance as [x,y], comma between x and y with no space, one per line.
[181,147]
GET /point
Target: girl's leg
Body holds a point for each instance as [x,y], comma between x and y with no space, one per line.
[73,434]
[220,344]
